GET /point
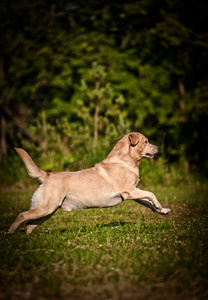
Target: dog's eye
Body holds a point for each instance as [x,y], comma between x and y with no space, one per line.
[146,142]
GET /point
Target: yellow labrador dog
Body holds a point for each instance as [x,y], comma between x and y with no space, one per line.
[107,184]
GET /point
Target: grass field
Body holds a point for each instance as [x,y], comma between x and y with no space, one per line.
[124,252]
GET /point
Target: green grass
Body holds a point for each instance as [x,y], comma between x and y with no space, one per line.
[124,252]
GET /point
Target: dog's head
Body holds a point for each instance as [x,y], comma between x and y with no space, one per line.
[140,146]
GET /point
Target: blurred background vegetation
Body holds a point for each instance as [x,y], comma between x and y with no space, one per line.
[75,76]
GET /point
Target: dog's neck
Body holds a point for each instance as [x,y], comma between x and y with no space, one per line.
[121,153]
[122,160]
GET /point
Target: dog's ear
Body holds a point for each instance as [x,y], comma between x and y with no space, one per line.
[134,139]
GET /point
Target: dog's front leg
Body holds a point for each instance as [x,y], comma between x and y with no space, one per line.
[148,199]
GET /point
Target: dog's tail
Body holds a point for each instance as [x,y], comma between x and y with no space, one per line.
[31,167]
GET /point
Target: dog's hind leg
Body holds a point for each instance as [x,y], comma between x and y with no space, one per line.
[40,213]
[31,224]
[43,205]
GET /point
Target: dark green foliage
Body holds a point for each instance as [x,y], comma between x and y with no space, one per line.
[142,64]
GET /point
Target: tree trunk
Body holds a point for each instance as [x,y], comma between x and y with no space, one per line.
[182,91]
[3,150]
[21,125]
[96,118]
[3,143]
[45,141]
[181,88]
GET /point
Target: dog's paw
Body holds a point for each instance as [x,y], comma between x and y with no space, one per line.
[156,206]
[7,232]
[165,211]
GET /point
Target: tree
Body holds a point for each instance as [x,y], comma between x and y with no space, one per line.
[101,99]
[153,56]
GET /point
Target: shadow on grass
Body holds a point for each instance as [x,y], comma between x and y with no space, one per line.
[115,224]
[85,228]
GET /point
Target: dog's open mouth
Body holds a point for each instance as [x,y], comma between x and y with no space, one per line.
[149,155]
